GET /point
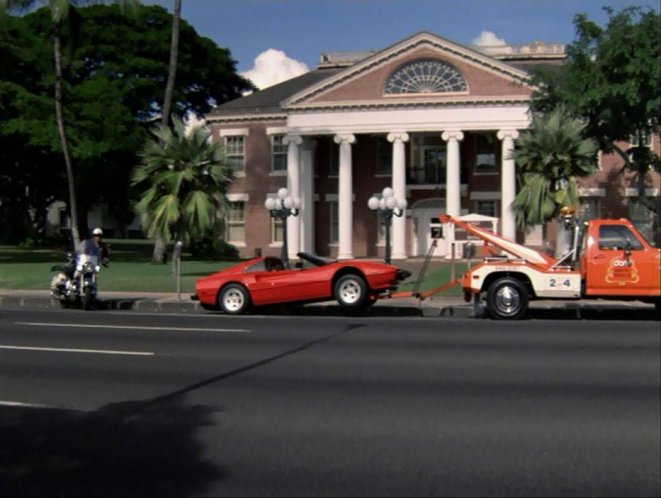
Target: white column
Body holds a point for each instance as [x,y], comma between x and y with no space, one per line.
[507,184]
[294,187]
[399,190]
[307,195]
[452,184]
[345,196]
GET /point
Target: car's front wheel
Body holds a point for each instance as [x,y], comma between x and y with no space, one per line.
[233,299]
[351,291]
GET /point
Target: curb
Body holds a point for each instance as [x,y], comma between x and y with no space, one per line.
[401,309]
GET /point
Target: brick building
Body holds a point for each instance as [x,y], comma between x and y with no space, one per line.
[432,119]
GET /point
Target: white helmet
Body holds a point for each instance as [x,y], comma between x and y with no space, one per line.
[97,231]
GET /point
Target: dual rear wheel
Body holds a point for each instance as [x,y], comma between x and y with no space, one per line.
[507,299]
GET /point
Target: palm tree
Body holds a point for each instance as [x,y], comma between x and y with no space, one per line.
[59,10]
[551,155]
[185,178]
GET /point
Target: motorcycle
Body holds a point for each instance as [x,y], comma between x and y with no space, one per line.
[76,282]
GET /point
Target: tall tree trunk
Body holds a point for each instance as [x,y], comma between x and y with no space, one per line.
[174,55]
[73,211]
[159,254]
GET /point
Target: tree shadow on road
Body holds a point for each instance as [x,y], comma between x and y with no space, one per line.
[143,448]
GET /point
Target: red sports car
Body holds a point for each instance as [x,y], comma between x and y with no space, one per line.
[265,280]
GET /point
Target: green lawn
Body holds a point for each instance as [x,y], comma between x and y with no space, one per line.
[131,270]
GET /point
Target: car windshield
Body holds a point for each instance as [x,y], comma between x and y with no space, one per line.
[266,264]
[314,259]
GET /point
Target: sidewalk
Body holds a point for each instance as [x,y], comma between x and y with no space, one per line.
[169,302]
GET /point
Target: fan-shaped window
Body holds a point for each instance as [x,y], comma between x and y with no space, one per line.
[426,76]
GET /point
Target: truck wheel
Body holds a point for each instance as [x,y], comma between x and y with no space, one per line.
[507,299]
[234,299]
[351,291]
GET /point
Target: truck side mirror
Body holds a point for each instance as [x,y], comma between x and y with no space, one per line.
[628,247]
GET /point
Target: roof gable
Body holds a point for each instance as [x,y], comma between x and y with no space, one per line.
[365,81]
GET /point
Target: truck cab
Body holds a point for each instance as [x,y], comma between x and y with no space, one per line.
[617,261]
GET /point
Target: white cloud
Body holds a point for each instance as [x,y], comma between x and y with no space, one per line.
[191,121]
[274,66]
[488,39]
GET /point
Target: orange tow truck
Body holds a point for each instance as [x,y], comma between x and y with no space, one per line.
[607,259]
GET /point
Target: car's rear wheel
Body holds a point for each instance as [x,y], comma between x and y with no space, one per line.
[233,299]
[351,291]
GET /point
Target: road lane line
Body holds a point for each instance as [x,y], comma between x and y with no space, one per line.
[19,404]
[68,350]
[129,327]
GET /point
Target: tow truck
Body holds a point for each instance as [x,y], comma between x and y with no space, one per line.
[607,259]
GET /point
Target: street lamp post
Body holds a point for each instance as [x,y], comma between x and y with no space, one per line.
[385,208]
[282,207]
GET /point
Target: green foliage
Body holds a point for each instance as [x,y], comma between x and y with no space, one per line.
[184,178]
[550,155]
[212,248]
[114,69]
[611,79]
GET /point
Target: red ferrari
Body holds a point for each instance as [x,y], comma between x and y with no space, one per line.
[265,280]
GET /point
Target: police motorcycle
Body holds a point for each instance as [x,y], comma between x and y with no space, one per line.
[76,282]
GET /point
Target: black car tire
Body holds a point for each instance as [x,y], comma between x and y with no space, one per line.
[351,291]
[507,299]
[234,299]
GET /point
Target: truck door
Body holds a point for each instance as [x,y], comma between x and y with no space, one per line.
[619,264]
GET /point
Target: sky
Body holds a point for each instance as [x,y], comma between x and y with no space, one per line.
[274,40]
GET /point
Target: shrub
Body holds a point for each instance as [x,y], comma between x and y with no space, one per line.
[211,248]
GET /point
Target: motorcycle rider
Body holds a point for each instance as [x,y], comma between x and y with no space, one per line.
[92,247]
[97,237]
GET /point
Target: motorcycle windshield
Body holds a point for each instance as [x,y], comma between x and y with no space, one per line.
[88,248]
[88,258]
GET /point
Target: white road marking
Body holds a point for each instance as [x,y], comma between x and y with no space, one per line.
[68,350]
[18,404]
[129,327]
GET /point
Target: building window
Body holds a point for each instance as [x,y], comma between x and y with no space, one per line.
[334,165]
[334,222]
[588,208]
[384,157]
[236,223]
[277,233]
[485,153]
[642,218]
[426,76]
[635,141]
[235,151]
[278,153]
[486,208]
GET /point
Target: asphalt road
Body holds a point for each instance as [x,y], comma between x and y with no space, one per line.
[110,403]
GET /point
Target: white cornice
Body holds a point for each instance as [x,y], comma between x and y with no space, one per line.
[411,103]
[421,39]
[247,117]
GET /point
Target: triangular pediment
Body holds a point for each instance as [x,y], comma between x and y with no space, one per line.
[366,82]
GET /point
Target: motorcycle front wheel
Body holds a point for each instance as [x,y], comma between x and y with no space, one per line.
[88,298]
